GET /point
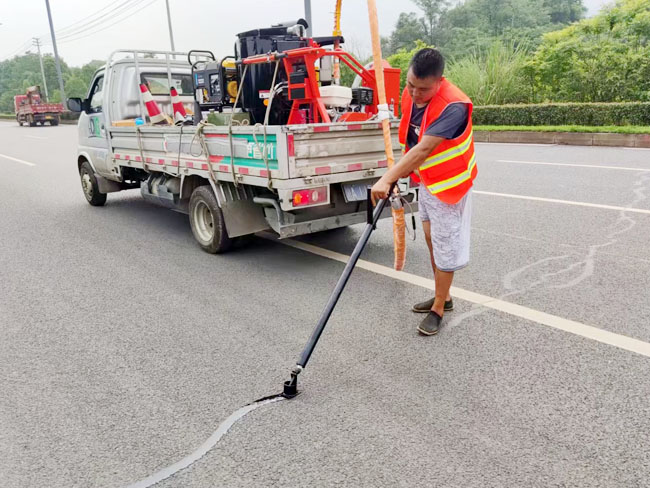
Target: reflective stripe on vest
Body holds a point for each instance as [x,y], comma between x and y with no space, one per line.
[455,180]
[448,154]
[449,170]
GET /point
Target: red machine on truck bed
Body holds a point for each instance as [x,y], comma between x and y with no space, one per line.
[32,110]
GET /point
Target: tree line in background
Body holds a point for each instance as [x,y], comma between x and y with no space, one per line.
[497,51]
[20,72]
[532,51]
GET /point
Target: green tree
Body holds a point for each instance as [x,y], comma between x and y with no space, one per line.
[19,72]
[603,59]
[565,11]
[55,96]
[6,102]
[475,24]
[408,29]
[75,87]
[433,10]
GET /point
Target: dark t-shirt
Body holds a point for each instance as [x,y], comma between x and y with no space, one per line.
[450,124]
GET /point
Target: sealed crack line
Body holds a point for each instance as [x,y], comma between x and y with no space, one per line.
[207,446]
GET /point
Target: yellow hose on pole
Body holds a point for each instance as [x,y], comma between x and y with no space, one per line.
[399,224]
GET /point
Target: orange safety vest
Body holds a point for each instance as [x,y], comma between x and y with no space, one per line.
[449,171]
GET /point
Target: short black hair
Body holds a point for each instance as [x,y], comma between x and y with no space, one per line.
[427,62]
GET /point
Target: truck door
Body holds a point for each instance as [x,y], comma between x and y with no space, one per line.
[92,127]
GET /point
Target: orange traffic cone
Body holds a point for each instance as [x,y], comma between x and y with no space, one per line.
[155,115]
[180,115]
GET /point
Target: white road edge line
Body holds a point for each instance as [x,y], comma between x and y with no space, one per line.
[17,160]
[565,202]
[573,327]
[575,165]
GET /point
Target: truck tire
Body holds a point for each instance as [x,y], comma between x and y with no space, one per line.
[32,122]
[89,185]
[54,121]
[206,220]
[20,122]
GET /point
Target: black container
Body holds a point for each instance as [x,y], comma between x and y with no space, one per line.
[362,96]
[280,37]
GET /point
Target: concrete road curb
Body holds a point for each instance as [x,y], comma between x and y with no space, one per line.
[568,138]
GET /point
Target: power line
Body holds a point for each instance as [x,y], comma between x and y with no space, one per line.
[119,10]
[107,18]
[69,31]
[23,47]
[102,15]
[64,30]
[120,13]
[113,23]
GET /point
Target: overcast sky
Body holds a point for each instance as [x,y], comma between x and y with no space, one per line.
[197,24]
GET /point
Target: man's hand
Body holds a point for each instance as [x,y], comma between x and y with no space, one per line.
[380,190]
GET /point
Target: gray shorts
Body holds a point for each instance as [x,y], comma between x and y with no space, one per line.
[450,229]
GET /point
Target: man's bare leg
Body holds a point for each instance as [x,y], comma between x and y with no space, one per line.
[426,228]
[443,284]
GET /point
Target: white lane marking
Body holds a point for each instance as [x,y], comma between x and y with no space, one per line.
[17,160]
[571,326]
[575,165]
[203,449]
[565,202]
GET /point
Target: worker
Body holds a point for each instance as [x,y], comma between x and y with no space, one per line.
[435,134]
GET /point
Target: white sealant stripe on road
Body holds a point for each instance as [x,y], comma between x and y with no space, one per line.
[574,165]
[571,326]
[565,202]
[205,447]
[17,160]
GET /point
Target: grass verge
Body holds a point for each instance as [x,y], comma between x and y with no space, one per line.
[614,129]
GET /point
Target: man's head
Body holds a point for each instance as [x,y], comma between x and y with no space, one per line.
[424,75]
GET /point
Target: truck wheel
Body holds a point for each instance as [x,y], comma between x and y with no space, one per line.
[32,122]
[20,122]
[206,220]
[90,187]
[54,122]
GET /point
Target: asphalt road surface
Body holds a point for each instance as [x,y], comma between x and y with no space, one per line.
[123,346]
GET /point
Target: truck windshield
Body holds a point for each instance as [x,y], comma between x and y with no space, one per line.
[158,83]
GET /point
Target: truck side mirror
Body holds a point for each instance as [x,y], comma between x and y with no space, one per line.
[75,105]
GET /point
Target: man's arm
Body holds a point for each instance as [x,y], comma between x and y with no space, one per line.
[411,161]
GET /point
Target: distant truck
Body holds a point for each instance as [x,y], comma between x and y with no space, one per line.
[30,109]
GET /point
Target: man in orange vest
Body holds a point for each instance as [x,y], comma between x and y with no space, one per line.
[437,141]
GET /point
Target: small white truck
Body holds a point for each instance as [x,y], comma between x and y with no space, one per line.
[232,180]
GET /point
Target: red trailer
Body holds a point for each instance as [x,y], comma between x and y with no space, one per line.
[32,110]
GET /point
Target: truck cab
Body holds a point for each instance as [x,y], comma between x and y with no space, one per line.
[125,104]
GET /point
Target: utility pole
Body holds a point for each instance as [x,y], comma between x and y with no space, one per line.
[56,52]
[40,58]
[308,16]
[169,21]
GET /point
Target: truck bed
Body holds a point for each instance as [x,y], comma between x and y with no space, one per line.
[40,108]
[296,155]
